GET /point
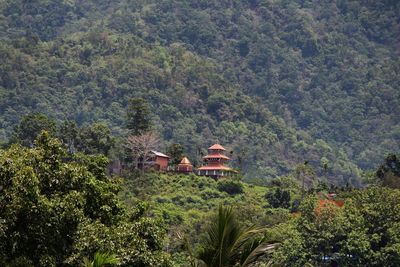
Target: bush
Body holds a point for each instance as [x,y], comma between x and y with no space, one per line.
[279,199]
[230,187]
[210,194]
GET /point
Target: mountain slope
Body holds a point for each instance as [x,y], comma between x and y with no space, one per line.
[277,82]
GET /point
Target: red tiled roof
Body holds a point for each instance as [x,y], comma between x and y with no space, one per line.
[216,168]
[216,156]
[216,147]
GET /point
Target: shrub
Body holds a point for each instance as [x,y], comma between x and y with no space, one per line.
[230,187]
[279,199]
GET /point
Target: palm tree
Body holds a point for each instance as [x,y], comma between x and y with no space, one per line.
[227,243]
[101,259]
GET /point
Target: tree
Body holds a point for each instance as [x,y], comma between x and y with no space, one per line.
[374,236]
[315,236]
[389,171]
[95,139]
[175,151]
[68,134]
[141,146]
[229,186]
[57,209]
[30,126]
[138,116]
[227,243]
[364,232]
[279,199]
[305,174]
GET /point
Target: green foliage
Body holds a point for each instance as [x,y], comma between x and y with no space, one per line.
[94,139]
[229,186]
[29,128]
[374,236]
[68,134]
[311,84]
[362,233]
[187,203]
[227,243]
[57,208]
[101,259]
[278,199]
[138,116]
[389,172]
[175,151]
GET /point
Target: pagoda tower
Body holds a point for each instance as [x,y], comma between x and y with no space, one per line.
[214,163]
[184,166]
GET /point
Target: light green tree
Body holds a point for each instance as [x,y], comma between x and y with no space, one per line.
[101,259]
[57,208]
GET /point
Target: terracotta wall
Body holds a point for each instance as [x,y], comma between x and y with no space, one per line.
[162,162]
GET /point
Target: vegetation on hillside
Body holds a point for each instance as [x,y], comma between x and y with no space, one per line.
[304,95]
[279,81]
[58,208]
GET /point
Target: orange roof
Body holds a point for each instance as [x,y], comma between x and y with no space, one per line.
[185,161]
[324,203]
[216,147]
[216,168]
[215,156]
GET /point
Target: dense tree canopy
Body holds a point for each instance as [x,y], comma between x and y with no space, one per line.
[279,81]
[57,208]
[30,126]
[303,91]
[362,233]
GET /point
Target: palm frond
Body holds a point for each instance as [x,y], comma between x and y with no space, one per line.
[227,243]
[101,259]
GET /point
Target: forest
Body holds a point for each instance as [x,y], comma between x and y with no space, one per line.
[303,94]
[279,82]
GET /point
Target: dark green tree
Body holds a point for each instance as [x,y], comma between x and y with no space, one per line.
[68,134]
[389,171]
[95,139]
[279,198]
[138,116]
[175,151]
[230,186]
[30,126]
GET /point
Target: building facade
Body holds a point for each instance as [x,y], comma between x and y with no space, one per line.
[157,161]
[184,166]
[214,163]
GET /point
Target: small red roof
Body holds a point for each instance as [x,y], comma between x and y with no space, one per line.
[216,156]
[216,147]
[185,161]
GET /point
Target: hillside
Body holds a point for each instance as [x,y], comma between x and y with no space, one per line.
[187,202]
[278,82]
[59,208]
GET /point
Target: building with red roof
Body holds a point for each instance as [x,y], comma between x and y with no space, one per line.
[184,166]
[156,161]
[214,163]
